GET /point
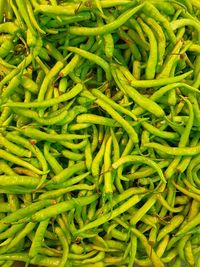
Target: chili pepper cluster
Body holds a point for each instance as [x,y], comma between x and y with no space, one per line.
[99,133]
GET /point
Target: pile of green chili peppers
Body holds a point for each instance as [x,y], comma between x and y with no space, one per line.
[100,133]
